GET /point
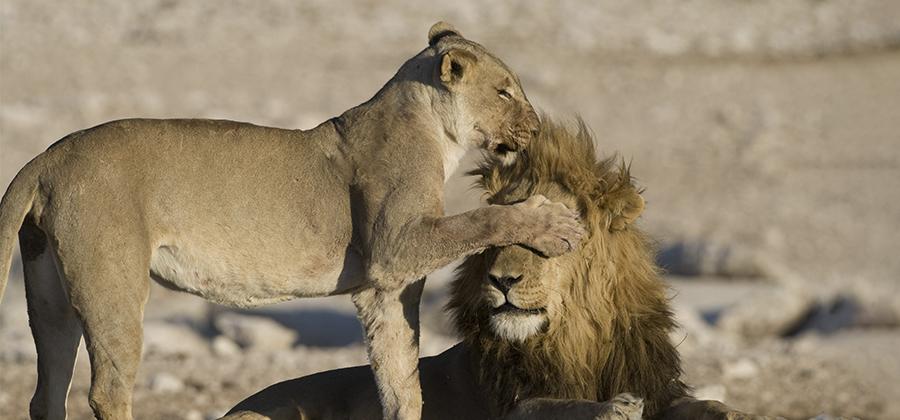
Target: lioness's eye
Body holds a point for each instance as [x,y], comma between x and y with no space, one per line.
[504,94]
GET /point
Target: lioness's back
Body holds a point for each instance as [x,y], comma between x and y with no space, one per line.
[191,140]
[213,156]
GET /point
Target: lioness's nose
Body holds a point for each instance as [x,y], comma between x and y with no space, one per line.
[504,282]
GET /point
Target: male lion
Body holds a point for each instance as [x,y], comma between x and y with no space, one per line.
[542,338]
[246,215]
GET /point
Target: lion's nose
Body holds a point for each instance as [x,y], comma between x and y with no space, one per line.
[504,283]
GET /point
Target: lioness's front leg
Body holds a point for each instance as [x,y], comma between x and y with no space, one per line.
[391,323]
[426,243]
[405,237]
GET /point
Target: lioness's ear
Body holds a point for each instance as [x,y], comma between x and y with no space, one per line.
[626,210]
[440,30]
[455,63]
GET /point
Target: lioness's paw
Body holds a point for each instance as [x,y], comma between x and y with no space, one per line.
[555,229]
[626,407]
[534,201]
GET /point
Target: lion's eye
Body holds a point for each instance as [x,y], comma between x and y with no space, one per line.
[504,94]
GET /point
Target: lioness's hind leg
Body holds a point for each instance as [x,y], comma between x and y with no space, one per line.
[391,323]
[109,293]
[54,325]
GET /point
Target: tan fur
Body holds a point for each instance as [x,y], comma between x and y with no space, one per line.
[247,215]
[602,314]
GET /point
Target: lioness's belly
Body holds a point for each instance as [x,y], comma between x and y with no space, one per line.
[216,274]
[244,215]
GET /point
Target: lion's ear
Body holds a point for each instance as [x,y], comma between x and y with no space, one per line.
[455,63]
[440,30]
[626,210]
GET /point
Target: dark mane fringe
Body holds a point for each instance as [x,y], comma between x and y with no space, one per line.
[612,335]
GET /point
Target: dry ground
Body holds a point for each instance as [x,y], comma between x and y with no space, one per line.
[765,133]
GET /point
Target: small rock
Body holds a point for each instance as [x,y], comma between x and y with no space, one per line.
[743,368]
[772,313]
[165,338]
[692,331]
[164,383]
[18,346]
[222,346]
[699,258]
[807,343]
[255,332]
[716,392]
[194,415]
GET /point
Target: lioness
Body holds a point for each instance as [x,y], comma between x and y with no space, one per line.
[246,215]
[542,338]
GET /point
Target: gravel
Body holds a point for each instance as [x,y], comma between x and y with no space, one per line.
[765,133]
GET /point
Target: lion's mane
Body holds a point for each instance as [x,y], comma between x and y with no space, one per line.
[612,333]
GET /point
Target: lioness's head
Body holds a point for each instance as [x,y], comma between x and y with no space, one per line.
[488,107]
[516,294]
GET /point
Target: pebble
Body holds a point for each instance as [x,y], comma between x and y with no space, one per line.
[17,345]
[255,332]
[194,415]
[166,338]
[164,382]
[766,314]
[741,369]
[222,346]
[716,392]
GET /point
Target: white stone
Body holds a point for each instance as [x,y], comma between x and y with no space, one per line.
[223,346]
[165,338]
[17,346]
[716,392]
[766,314]
[194,415]
[255,332]
[165,383]
[743,368]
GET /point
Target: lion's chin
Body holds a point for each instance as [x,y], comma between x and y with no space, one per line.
[505,151]
[508,158]
[517,327]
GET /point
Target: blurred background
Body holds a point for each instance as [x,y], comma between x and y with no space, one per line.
[765,133]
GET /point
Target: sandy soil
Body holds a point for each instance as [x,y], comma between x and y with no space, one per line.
[764,132]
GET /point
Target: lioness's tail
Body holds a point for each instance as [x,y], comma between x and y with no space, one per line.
[16,203]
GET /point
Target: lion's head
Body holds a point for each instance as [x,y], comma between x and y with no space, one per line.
[481,94]
[588,324]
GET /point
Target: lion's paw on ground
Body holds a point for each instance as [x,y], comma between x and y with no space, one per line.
[624,407]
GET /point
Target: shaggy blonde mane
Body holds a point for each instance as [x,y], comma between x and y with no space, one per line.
[611,335]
